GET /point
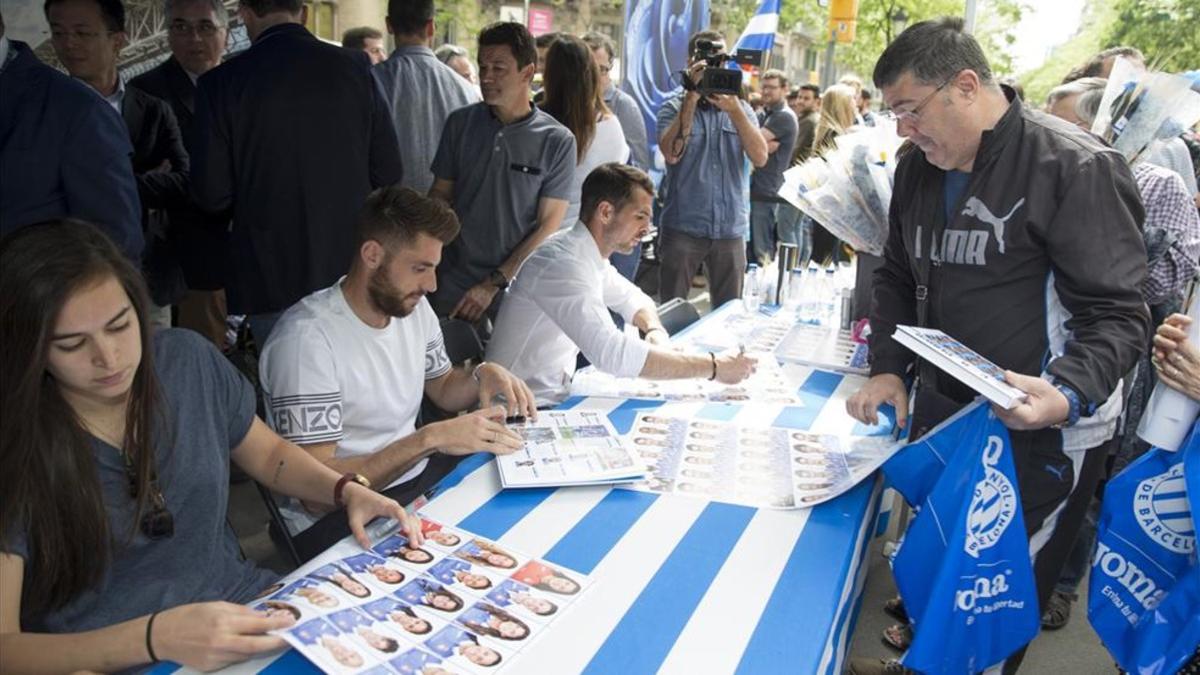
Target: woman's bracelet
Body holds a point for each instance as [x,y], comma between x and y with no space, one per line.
[714,362]
[149,647]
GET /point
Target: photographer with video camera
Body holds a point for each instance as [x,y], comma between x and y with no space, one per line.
[705,133]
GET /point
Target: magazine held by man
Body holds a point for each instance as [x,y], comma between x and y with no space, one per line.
[962,362]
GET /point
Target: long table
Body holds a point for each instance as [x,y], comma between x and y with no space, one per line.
[680,585]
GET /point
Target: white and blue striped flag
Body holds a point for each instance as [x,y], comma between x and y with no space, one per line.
[760,32]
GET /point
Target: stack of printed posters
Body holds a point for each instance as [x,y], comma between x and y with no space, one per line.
[758,466]
[569,448]
[823,347]
[769,384]
[456,604]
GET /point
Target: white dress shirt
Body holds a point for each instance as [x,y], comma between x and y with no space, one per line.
[557,307]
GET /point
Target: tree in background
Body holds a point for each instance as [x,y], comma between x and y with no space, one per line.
[1167,31]
[1164,30]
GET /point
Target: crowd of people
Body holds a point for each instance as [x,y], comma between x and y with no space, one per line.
[350,203]
[346,202]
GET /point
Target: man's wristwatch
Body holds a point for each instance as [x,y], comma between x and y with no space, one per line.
[341,485]
[1076,407]
[497,279]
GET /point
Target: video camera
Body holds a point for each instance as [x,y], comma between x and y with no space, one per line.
[716,78]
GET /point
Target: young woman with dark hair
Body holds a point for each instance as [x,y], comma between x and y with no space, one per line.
[572,95]
[114,471]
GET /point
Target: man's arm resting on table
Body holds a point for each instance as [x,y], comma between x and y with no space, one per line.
[382,466]
[453,391]
[663,364]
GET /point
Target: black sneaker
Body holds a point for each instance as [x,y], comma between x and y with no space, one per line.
[1058,610]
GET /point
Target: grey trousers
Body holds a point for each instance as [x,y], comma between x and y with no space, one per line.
[681,256]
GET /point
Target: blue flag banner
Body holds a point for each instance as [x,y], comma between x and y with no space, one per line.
[1144,594]
[915,469]
[964,569]
[760,32]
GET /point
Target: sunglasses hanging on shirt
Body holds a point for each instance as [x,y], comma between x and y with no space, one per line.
[157,522]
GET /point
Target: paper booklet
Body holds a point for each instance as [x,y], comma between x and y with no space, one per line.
[769,467]
[823,347]
[569,447]
[456,604]
[962,362]
[769,384]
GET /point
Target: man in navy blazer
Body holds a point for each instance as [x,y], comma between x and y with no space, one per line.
[291,136]
[197,31]
[63,152]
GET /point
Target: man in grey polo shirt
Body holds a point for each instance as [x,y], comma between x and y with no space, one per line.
[420,90]
[705,142]
[506,168]
[779,129]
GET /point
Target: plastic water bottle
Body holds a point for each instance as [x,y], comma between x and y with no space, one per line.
[750,292]
[830,296]
[810,295]
[795,288]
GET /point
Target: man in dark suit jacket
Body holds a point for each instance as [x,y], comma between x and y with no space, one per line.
[87,36]
[63,152]
[197,31]
[291,135]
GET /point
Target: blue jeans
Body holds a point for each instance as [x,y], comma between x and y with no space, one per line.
[762,229]
[795,227]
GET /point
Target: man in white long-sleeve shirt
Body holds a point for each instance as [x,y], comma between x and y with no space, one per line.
[558,304]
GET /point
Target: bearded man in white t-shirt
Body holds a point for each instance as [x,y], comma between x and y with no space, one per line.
[344,370]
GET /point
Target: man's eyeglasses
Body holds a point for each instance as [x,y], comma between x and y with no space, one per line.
[157,522]
[184,29]
[914,116]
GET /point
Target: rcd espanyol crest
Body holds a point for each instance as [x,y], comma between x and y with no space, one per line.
[1161,508]
[993,504]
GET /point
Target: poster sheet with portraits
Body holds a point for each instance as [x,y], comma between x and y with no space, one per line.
[569,447]
[457,604]
[770,384]
[759,466]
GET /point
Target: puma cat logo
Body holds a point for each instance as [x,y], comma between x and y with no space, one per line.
[981,212]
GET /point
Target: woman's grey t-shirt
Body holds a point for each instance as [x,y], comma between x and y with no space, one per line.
[209,407]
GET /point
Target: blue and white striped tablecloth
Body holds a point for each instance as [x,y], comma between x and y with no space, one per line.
[680,585]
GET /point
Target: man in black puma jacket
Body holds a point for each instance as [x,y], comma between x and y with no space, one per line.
[1019,235]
